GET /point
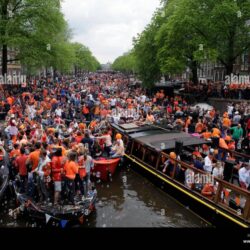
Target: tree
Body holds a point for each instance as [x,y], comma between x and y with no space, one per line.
[178,41]
[224,26]
[30,26]
[84,60]
[125,63]
[145,50]
[221,28]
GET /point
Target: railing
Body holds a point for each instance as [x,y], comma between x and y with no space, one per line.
[233,199]
[226,193]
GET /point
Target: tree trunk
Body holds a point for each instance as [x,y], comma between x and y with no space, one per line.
[4,60]
[229,68]
[194,69]
[3,33]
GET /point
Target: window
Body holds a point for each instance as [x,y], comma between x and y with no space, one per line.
[151,158]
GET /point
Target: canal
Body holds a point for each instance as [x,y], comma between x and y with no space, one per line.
[129,200]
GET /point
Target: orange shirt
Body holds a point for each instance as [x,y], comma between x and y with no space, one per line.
[226,122]
[85,110]
[216,132]
[223,144]
[208,190]
[14,153]
[206,135]
[10,101]
[79,138]
[34,158]
[97,110]
[71,169]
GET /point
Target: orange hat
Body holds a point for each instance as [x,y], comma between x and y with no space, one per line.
[228,138]
[173,155]
[118,136]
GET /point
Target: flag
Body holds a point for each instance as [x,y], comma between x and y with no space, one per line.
[63,223]
[47,218]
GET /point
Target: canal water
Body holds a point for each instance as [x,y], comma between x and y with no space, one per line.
[129,200]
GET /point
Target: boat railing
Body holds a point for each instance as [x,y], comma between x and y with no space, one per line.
[235,200]
[236,153]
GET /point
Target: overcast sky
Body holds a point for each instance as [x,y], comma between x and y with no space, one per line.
[108,26]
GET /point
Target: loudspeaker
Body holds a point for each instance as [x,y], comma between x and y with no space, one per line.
[178,147]
[215,142]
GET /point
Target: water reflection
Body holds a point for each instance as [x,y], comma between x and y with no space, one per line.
[133,201]
[129,201]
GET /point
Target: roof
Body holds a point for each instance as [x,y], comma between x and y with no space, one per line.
[158,138]
[161,140]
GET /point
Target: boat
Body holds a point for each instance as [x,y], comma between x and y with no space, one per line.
[104,169]
[48,214]
[148,147]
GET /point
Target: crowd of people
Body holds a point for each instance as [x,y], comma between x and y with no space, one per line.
[54,130]
[219,90]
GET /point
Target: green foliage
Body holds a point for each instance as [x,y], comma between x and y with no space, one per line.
[125,63]
[185,33]
[38,30]
[84,60]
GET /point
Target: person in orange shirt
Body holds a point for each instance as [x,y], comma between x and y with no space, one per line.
[82,126]
[15,152]
[78,137]
[10,100]
[216,132]
[226,123]
[208,190]
[199,127]
[71,168]
[187,123]
[33,158]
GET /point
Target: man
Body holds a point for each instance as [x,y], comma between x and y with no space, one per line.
[118,150]
[22,169]
[42,190]
[244,176]
[58,112]
[88,165]
[32,162]
[246,145]
[71,168]
[208,166]
[237,134]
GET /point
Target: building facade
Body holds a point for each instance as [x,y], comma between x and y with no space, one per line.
[14,67]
